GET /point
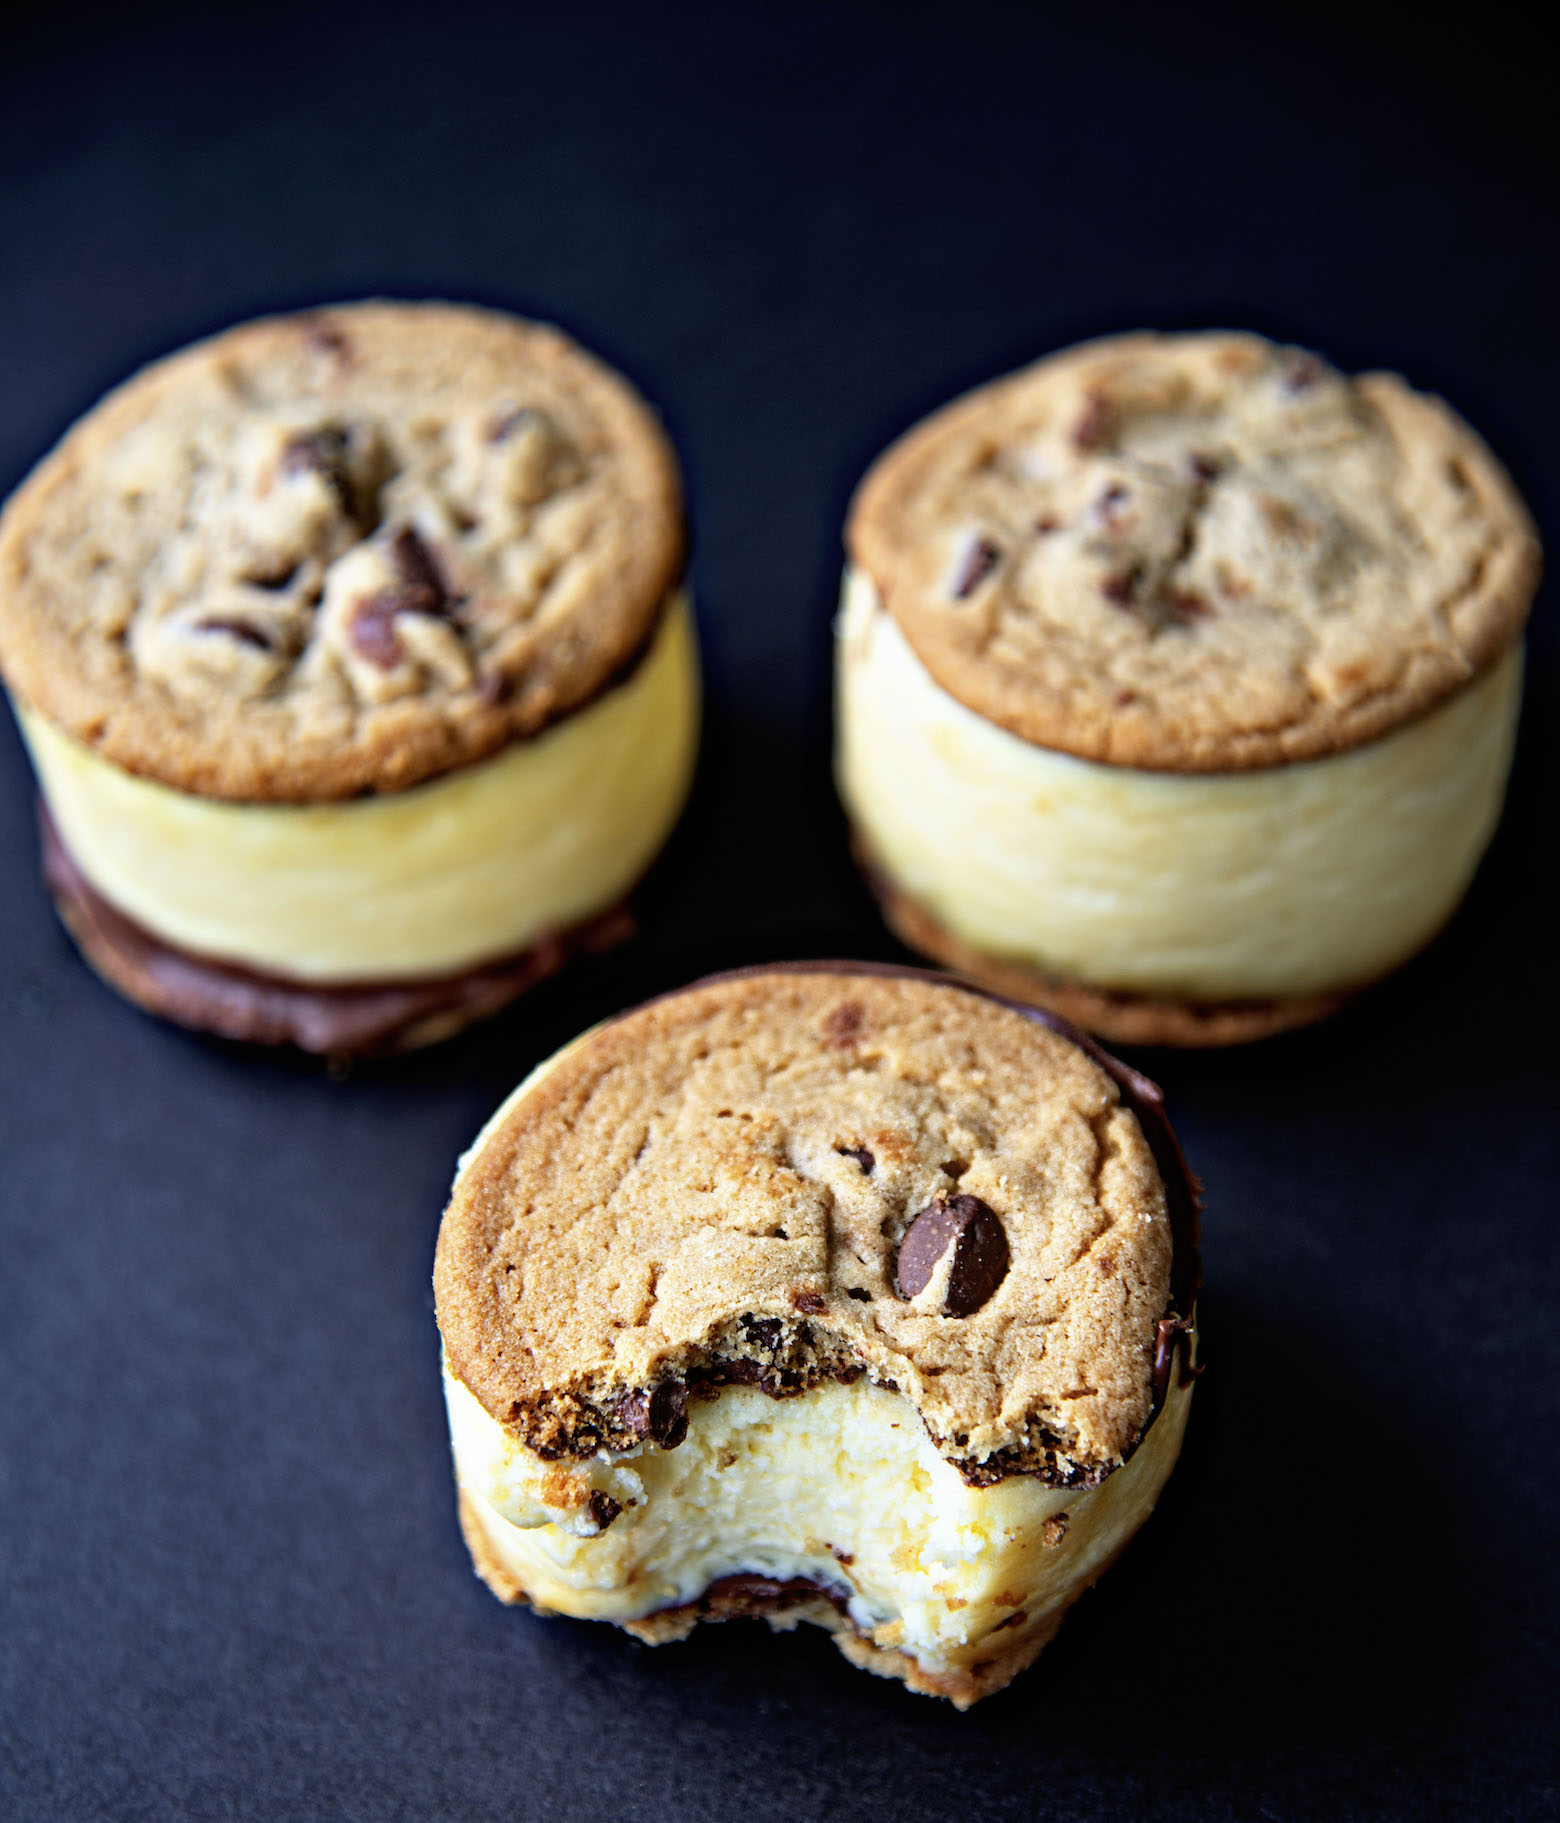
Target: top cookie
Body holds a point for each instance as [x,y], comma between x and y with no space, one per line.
[733,1183]
[339,552]
[1197,553]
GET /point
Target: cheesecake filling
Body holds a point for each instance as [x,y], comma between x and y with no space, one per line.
[425,882]
[1289,881]
[840,1485]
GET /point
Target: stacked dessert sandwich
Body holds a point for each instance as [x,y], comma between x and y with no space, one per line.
[1177,681]
[822,1293]
[352,657]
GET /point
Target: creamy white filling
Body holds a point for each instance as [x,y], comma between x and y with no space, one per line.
[840,1484]
[462,870]
[1289,881]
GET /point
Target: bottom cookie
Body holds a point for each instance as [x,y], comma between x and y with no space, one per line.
[1123,1018]
[357,1020]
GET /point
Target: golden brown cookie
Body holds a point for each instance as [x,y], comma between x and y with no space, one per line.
[1197,553]
[755,1298]
[339,552]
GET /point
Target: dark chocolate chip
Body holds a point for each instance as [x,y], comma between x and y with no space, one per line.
[808,1302]
[979,561]
[861,1296]
[765,1331]
[861,1155]
[980,1260]
[373,630]
[666,1416]
[843,1024]
[603,1508]
[316,452]
[244,631]
[1204,467]
[422,589]
[1119,587]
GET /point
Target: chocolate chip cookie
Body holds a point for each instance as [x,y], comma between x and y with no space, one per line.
[822,1293]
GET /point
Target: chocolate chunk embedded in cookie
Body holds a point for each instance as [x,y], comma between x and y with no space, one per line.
[701,1359]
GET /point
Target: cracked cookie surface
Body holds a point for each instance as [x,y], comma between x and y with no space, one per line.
[340,552]
[719,1185]
[1197,553]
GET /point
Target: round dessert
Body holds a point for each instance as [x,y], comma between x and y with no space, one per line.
[1178,677]
[352,657]
[828,1293]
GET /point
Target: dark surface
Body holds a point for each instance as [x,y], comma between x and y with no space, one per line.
[232,1582]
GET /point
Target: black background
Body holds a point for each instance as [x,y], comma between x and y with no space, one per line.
[232,1581]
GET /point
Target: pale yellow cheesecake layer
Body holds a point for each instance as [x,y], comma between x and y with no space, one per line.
[424,882]
[1294,880]
[840,1484]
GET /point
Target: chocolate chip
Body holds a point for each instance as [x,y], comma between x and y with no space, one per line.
[422,588]
[861,1155]
[980,1259]
[765,1331]
[372,628]
[861,1296]
[324,452]
[245,632]
[666,1416]
[979,561]
[603,1508]
[808,1302]
[316,452]
[1013,1620]
[1119,587]
[1205,468]
[843,1024]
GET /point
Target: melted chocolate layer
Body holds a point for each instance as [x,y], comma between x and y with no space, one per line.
[355,1019]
